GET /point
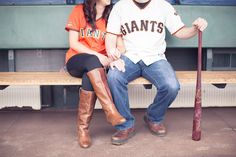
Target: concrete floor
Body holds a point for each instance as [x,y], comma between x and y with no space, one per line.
[52,133]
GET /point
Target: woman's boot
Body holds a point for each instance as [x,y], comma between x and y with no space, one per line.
[98,80]
[85,111]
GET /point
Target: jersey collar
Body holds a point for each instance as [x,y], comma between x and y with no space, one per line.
[141,5]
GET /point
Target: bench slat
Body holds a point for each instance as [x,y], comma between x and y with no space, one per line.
[62,78]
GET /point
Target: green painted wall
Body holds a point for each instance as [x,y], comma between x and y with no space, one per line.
[33,27]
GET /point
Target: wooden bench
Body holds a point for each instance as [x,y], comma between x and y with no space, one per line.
[63,78]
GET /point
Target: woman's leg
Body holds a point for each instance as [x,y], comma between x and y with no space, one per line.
[98,80]
[76,68]
[79,65]
[84,116]
[91,65]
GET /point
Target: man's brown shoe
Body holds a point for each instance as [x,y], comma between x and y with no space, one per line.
[122,136]
[156,129]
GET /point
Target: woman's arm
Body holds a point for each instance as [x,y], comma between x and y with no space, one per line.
[80,48]
[76,45]
[189,32]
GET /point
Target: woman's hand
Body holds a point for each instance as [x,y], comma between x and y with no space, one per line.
[119,64]
[105,61]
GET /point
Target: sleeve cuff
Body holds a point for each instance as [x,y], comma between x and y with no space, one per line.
[178,30]
[117,34]
[69,28]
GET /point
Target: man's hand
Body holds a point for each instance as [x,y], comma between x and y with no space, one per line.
[119,64]
[200,24]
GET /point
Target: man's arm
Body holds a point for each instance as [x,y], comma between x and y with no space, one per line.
[111,42]
[120,44]
[189,32]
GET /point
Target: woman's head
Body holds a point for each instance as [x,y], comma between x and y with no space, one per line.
[90,11]
[104,2]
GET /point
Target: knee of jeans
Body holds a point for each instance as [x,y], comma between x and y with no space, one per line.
[171,87]
[114,77]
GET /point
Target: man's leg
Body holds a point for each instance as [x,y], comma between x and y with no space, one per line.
[163,77]
[118,83]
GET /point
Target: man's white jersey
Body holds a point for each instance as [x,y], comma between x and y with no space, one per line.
[143,30]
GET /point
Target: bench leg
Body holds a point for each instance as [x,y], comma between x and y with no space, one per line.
[3,87]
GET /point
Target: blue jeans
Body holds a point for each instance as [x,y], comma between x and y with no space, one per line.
[160,74]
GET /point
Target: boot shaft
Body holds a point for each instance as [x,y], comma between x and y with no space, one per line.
[87,101]
[98,80]
[86,106]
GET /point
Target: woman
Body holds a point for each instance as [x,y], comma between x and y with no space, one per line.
[86,59]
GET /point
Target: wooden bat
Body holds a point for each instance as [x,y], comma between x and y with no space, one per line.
[196,133]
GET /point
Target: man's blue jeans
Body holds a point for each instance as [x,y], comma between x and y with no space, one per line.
[160,74]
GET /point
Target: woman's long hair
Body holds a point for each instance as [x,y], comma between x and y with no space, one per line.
[90,12]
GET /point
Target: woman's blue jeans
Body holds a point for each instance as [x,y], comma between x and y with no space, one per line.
[160,74]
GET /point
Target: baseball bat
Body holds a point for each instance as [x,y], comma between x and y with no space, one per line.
[196,133]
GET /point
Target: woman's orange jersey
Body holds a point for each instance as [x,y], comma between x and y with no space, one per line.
[94,40]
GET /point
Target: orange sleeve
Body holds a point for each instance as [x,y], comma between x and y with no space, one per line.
[73,22]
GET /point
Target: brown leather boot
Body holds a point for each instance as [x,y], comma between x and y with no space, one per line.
[98,79]
[85,112]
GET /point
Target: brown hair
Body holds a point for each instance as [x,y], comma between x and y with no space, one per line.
[90,12]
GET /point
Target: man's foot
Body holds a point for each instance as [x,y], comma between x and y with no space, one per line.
[156,129]
[122,136]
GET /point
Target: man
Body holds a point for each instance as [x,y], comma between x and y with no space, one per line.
[142,25]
